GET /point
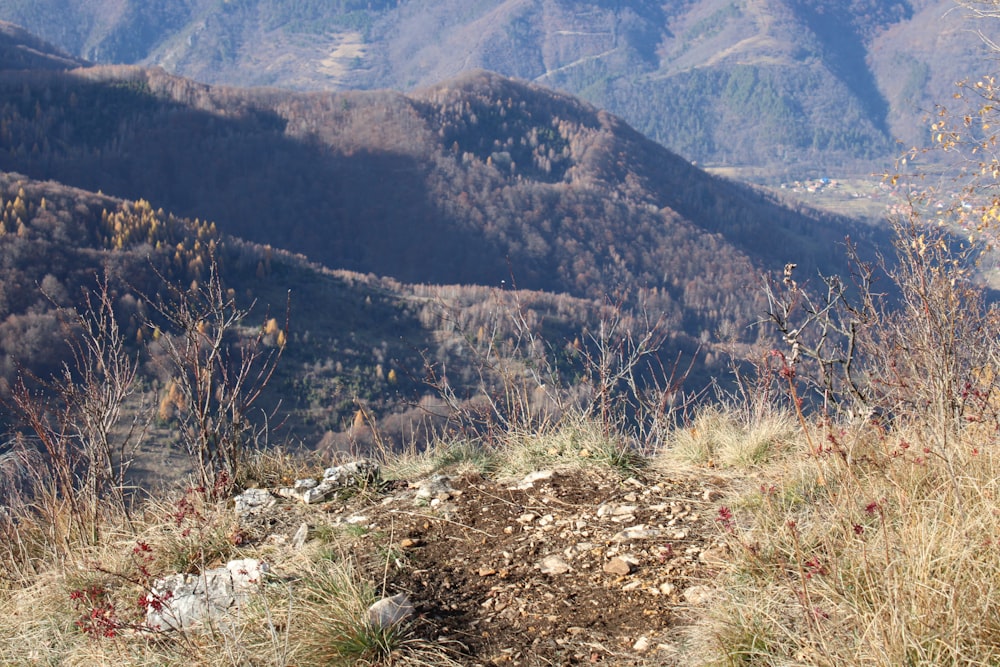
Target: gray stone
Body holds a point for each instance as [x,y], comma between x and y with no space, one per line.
[390,611]
[355,473]
[253,501]
[310,491]
[300,537]
[639,532]
[184,601]
[303,485]
[436,487]
[553,565]
[618,566]
[641,645]
[529,480]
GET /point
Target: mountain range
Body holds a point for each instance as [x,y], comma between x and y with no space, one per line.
[790,86]
[506,187]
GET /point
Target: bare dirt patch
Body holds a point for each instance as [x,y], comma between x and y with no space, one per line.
[578,567]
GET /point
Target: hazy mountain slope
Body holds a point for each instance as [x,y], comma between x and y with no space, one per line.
[917,64]
[794,84]
[470,182]
[20,50]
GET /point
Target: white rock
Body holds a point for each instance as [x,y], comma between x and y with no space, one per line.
[355,473]
[303,485]
[252,501]
[436,487]
[530,479]
[554,565]
[183,601]
[390,611]
[639,532]
[641,645]
[299,539]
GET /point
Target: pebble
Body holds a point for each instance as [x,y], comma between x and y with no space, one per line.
[640,532]
[554,565]
[299,539]
[530,479]
[618,566]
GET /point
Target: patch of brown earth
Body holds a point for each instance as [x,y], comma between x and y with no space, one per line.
[579,567]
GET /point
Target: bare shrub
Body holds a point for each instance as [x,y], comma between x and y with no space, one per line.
[219,371]
[82,427]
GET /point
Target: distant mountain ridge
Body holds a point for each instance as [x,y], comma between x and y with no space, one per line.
[793,85]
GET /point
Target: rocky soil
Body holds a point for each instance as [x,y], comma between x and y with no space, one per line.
[561,567]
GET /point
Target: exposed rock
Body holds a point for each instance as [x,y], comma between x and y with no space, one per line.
[299,539]
[390,611]
[183,601]
[711,495]
[529,480]
[437,487]
[639,532]
[253,501]
[355,473]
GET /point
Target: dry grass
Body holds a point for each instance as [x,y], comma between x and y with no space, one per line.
[869,554]
[718,437]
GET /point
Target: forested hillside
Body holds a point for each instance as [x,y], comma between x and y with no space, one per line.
[564,223]
[796,86]
[479,180]
[350,343]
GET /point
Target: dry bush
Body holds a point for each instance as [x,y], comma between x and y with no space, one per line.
[80,432]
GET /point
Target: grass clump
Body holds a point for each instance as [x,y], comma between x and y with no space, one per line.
[718,436]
